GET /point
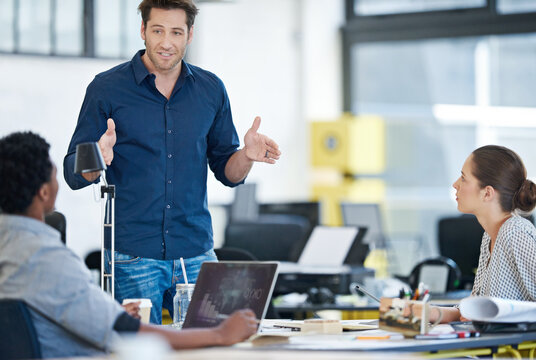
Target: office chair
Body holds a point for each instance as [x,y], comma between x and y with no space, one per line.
[441,274]
[310,210]
[234,254]
[459,239]
[18,338]
[58,222]
[271,237]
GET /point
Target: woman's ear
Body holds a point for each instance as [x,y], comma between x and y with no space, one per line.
[488,193]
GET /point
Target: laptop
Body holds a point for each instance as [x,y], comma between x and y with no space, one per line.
[330,249]
[226,286]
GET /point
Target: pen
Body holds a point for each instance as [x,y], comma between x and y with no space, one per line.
[426,297]
[436,336]
[453,335]
[426,292]
[467,334]
[362,289]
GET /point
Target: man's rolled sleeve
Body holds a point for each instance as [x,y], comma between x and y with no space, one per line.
[223,141]
[92,123]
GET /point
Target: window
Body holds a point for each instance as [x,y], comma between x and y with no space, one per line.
[34,26]
[117,28]
[445,82]
[68,27]
[515,6]
[383,7]
[6,25]
[103,28]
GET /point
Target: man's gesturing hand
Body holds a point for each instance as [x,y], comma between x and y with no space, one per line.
[106,145]
[260,147]
[107,142]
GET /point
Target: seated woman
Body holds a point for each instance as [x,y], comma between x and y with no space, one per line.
[494,187]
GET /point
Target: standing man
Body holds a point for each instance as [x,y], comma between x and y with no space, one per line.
[159,121]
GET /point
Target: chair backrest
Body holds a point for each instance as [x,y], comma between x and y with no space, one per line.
[58,222]
[18,338]
[310,210]
[234,254]
[365,215]
[445,273]
[273,237]
[93,260]
[459,239]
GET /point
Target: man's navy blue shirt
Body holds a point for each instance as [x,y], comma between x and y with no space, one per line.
[160,159]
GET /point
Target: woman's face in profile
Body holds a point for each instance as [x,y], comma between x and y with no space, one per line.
[468,191]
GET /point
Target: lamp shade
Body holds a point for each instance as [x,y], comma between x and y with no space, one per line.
[88,158]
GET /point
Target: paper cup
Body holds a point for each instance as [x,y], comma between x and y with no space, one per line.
[145,308]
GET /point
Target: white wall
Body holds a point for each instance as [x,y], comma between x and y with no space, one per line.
[44,95]
[279,59]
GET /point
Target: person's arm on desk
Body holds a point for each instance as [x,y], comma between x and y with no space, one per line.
[238,327]
[445,314]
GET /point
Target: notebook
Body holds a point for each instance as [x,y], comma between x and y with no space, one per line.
[226,286]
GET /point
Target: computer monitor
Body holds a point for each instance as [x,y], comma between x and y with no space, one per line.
[365,215]
[310,210]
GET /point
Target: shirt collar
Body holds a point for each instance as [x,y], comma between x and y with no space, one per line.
[141,72]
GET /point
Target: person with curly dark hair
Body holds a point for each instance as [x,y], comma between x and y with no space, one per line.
[25,167]
[72,316]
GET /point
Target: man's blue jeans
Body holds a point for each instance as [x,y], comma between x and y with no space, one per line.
[137,277]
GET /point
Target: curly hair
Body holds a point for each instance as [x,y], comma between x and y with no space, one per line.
[25,166]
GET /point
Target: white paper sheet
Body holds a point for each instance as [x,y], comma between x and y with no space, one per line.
[483,308]
[328,246]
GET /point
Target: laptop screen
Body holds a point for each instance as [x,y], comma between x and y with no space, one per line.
[224,287]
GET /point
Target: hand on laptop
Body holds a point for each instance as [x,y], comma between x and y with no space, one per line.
[238,327]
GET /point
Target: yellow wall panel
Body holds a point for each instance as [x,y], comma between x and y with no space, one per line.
[352,144]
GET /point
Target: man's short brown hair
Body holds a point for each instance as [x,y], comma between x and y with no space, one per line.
[187,5]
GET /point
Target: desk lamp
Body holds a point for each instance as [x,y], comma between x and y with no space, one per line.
[89,159]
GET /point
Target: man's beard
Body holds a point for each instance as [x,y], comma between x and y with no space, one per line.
[153,56]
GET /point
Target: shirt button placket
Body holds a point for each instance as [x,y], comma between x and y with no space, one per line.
[169,171]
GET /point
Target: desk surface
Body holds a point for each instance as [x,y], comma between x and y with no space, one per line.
[347,342]
[328,347]
[231,353]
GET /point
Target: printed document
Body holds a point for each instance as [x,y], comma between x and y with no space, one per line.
[489,309]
